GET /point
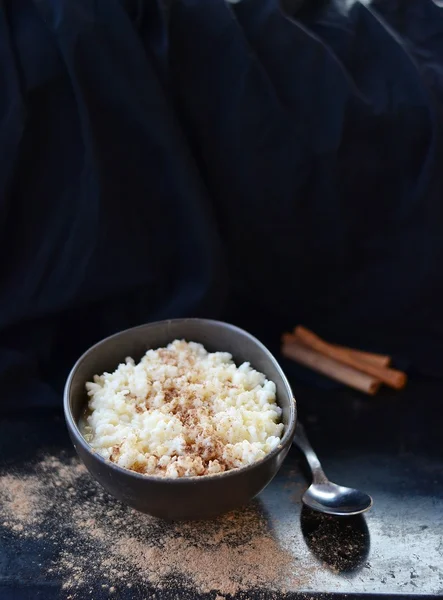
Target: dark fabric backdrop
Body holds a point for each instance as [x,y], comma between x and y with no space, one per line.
[232,161]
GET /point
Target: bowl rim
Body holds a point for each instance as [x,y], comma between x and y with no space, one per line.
[74,429]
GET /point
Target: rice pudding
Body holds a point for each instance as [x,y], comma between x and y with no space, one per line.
[182,412]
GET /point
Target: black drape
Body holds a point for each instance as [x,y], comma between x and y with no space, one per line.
[230,160]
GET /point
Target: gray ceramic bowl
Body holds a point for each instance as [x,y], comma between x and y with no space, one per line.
[185,498]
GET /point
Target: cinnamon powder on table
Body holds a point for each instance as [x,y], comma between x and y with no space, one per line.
[99,539]
[19,496]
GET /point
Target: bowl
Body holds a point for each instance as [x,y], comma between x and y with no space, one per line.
[182,498]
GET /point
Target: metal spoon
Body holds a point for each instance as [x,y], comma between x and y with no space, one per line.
[323,495]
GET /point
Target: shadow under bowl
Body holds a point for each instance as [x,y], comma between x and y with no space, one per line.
[183,498]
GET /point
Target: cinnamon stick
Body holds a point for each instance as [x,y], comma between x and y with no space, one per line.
[391,377]
[330,367]
[382,360]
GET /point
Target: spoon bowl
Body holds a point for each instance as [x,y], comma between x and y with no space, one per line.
[334,499]
[323,495]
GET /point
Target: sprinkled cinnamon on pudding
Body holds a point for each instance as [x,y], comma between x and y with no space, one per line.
[182,412]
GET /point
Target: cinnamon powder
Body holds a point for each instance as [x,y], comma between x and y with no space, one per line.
[19,497]
[100,539]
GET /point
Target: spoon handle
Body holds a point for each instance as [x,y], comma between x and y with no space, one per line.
[301,441]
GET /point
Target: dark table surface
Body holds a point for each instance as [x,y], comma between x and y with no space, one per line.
[389,446]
